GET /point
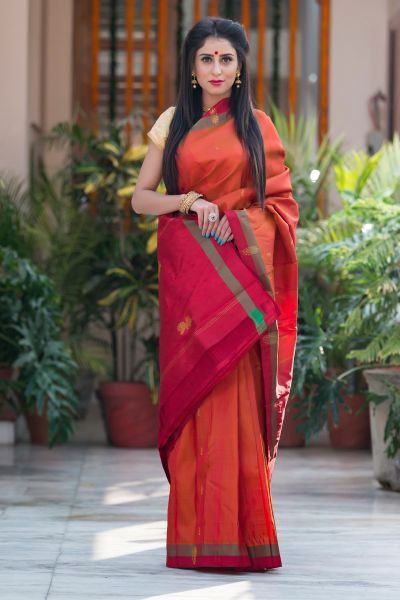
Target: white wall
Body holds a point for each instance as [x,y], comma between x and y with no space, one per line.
[58,63]
[14,130]
[359,65]
[57,68]
[36,52]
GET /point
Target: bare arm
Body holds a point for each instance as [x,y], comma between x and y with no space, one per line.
[145,199]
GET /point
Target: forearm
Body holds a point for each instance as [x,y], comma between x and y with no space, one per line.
[149,202]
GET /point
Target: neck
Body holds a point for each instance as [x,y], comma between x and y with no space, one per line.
[209,100]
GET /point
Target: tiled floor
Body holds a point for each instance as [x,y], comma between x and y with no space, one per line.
[82,522]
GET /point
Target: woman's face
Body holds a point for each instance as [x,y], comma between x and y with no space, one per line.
[216,60]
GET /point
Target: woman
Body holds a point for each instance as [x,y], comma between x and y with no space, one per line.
[228,302]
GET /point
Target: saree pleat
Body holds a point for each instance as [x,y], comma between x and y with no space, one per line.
[220,512]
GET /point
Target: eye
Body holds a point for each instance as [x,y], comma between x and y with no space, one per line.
[226,59]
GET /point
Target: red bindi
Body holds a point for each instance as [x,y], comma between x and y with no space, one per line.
[216,52]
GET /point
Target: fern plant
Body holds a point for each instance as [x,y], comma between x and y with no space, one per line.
[358,249]
[351,262]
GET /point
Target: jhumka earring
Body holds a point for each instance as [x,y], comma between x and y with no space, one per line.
[237,80]
[194,80]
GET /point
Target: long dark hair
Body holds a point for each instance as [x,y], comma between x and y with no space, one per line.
[188,108]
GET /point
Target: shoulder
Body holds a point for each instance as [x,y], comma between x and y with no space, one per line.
[269,132]
[159,132]
[263,119]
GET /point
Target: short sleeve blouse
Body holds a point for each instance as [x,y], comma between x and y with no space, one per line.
[159,132]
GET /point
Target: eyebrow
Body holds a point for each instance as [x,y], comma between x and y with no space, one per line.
[226,54]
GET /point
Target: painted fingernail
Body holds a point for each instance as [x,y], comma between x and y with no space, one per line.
[207,235]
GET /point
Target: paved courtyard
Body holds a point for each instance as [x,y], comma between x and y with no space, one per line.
[88,522]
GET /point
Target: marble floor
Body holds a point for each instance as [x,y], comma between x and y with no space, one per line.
[88,522]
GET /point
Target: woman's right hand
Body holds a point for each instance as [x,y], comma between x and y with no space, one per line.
[203,208]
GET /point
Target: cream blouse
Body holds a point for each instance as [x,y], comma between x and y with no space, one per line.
[159,132]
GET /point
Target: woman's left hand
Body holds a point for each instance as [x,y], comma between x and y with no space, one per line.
[222,231]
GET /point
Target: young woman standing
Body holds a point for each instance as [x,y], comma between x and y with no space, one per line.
[228,304]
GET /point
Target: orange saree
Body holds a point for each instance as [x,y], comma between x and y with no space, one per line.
[228,331]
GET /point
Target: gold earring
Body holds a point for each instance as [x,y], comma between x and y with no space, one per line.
[194,80]
[237,80]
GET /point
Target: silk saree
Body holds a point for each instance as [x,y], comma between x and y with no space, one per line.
[228,331]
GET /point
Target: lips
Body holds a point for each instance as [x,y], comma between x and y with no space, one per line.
[216,81]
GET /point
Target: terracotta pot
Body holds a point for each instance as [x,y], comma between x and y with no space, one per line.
[6,412]
[290,438]
[38,426]
[131,419]
[353,431]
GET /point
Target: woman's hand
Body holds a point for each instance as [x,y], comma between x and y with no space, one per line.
[203,208]
[223,231]
[219,229]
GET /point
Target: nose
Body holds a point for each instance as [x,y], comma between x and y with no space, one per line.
[216,66]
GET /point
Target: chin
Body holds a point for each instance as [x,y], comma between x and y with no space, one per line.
[216,91]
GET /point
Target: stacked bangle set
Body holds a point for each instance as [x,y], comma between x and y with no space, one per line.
[187,201]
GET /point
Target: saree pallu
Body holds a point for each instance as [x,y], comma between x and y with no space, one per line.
[228,330]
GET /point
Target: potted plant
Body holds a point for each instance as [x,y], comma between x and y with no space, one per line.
[329,400]
[359,246]
[11,194]
[46,224]
[70,247]
[103,169]
[30,331]
[311,165]
[375,322]
[129,400]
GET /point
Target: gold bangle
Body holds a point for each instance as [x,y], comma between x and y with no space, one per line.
[187,201]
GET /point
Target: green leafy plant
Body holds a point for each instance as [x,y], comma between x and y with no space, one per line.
[133,295]
[102,171]
[311,164]
[355,255]
[12,200]
[361,176]
[31,341]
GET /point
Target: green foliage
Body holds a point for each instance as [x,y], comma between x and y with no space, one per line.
[30,334]
[361,176]
[310,164]
[349,281]
[12,200]
[365,266]
[102,172]
[71,248]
